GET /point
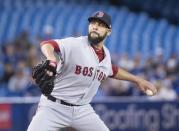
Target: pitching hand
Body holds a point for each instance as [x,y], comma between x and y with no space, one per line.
[147,87]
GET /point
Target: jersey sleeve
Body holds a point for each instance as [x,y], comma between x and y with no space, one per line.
[66,47]
[114,70]
[61,46]
[53,43]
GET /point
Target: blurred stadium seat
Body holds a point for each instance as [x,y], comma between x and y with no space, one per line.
[132,32]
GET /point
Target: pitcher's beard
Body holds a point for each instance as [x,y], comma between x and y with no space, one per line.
[96,40]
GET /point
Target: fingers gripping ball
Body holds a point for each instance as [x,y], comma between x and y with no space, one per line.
[44,75]
[149,92]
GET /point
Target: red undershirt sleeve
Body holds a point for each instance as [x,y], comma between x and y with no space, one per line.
[53,43]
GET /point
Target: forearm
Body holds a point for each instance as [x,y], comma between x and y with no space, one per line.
[144,85]
[124,75]
[48,51]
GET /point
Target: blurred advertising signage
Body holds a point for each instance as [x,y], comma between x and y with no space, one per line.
[5,116]
[139,116]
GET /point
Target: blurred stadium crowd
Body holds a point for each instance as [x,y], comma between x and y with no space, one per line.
[143,45]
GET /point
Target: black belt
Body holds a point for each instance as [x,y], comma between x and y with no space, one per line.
[60,101]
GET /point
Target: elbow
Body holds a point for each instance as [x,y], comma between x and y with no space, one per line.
[50,43]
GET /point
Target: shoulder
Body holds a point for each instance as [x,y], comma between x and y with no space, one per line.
[69,40]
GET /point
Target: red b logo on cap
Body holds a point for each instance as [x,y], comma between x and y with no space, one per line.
[100,14]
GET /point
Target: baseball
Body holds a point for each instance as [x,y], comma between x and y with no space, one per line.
[149,92]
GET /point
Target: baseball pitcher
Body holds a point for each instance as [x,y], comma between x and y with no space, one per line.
[69,84]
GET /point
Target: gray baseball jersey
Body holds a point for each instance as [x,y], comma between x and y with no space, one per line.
[79,72]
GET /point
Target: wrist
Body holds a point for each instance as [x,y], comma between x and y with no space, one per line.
[51,58]
[52,63]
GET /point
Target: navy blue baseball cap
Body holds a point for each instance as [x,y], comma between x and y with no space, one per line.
[103,17]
